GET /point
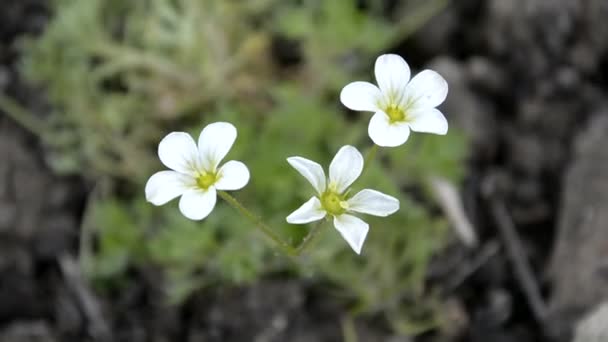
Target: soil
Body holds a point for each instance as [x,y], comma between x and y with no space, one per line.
[528,82]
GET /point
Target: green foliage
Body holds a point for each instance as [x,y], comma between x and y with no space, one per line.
[122,74]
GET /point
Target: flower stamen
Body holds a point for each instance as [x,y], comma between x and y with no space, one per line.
[333,203]
[205,180]
[395,114]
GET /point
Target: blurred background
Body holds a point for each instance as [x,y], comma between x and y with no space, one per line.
[502,234]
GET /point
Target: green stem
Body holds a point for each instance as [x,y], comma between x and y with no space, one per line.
[349,332]
[124,57]
[369,157]
[259,223]
[308,239]
[16,112]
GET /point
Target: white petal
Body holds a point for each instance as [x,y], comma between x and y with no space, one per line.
[373,202]
[308,212]
[361,96]
[312,171]
[392,74]
[215,141]
[386,134]
[428,121]
[427,89]
[196,204]
[164,186]
[178,152]
[353,230]
[233,175]
[345,168]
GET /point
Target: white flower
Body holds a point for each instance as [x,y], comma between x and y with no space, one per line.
[195,174]
[333,198]
[399,104]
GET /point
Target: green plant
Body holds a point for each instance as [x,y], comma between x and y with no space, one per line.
[121,74]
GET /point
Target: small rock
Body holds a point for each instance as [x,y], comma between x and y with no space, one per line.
[27,332]
[582,242]
[486,75]
[499,307]
[594,327]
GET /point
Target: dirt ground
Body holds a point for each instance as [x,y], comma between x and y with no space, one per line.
[528,83]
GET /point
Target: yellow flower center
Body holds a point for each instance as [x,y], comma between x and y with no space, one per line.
[395,113]
[205,180]
[333,203]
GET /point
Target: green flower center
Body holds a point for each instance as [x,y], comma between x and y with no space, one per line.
[395,113]
[333,203]
[205,180]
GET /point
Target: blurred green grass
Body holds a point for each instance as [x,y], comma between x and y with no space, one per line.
[122,74]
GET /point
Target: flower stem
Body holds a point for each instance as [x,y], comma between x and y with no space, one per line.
[259,223]
[19,114]
[308,239]
[369,157]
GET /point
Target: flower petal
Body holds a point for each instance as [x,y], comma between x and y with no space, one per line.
[196,204]
[215,141]
[312,171]
[428,121]
[308,212]
[373,202]
[345,168]
[164,186]
[427,89]
[178,152]
[361,96]
[392,74]
[233,175]
[353,230]
[387,134]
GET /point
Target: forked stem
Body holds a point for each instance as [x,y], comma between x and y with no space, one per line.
[259,223]
[262,226]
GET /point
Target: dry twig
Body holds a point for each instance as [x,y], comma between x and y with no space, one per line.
[516,254]
[98,327]
[450,202]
